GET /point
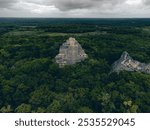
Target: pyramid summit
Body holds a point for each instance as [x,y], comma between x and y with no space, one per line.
[70,53]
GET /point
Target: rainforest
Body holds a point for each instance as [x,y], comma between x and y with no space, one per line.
[32,82]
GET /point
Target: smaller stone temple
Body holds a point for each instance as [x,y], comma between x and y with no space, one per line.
[70,53]
[126,63]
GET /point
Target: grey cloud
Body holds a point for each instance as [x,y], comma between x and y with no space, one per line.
[70,4]
[65,5]
[7,3]
[146,2]
[75,8]
[42,2]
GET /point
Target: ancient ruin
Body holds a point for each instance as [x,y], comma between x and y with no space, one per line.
[70,53]
[126,63]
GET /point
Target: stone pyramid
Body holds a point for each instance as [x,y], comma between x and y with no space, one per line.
[126,63]
[70,53]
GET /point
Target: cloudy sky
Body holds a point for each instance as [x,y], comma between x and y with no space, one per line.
[75,8]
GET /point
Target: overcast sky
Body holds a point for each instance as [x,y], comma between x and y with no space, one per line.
[75,8]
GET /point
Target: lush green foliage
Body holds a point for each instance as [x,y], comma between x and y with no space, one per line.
[30,80]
